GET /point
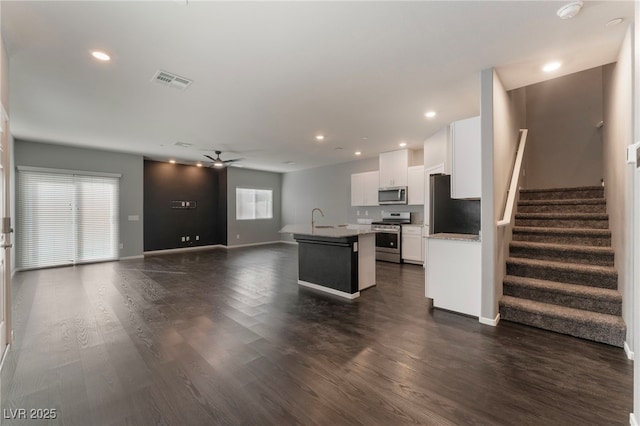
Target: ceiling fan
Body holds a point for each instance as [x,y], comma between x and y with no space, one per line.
[218,162]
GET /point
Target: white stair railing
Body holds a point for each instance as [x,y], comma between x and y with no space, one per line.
[515,179]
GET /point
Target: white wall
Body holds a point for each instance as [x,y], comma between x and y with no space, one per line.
[241,232]
[71,158]
[618,176]
[500,114]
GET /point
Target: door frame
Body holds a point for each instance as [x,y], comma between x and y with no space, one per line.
[6,230]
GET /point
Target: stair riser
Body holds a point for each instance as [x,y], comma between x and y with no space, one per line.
[563,239]
[604,306]
[562,195]
[564,223]
[563,276]
[602,334]
[604,259]
[562,208]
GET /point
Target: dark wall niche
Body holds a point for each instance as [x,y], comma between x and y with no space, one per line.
[164,226]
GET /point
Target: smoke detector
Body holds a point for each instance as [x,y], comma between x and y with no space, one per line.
[570,10]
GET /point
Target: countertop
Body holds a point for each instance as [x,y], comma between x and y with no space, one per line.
[460,237]
[332,232]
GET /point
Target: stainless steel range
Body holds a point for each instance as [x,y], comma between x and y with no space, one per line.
[389,235]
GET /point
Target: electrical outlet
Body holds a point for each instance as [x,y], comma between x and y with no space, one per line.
[187,238]
[366,212]
[121,246]
[237,236]
[197,237]
[358,213]
[183,239]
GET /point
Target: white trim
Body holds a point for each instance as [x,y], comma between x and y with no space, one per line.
[324,289]
[67,171]
[181,250]
[289,242]
[4,354]
[515,178]
[489,321]
[632,419]
[140,256]
[253,244]
[628,351]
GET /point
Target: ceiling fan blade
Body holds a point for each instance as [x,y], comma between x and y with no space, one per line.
[210,157]
[233,160]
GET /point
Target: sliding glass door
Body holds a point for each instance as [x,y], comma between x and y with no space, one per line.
[65,218]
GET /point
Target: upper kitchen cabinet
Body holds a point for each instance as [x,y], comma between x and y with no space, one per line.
[364,189]
[416,185]
[393,168]
[465,156]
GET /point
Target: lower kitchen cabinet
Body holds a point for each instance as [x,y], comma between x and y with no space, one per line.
[453,274]
[412,244]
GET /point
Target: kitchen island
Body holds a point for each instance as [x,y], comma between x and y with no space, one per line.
[340,260]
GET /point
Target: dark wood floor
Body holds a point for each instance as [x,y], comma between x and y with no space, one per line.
[227,337]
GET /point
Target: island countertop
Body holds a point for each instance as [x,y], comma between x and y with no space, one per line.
[330,232]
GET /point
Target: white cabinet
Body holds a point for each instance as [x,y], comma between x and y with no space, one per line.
[364,189]
[416,185]
[412,244]
[453,275]
[393,168]
[465,158]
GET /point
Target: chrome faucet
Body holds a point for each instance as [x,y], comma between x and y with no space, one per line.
[313,223]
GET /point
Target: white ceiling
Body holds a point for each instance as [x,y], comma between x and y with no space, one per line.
[269,76]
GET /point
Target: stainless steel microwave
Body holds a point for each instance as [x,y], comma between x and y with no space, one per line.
[395,195]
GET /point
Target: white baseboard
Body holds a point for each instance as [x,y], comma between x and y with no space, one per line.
[329,290]
[628,351]
[181,250]
[252,244]
[632,419]
[295,243]
[488,321]
[141,256]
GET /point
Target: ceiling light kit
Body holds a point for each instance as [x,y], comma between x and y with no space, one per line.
[570,10]
[402,144]
[551,66]
[172,161]
[100,55]
[320,137]
[358,152]
[430,114]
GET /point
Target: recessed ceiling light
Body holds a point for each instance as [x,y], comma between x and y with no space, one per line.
[338,148]
[402,144]
[358,152]
[551,66]
[614,22]
[172,161]
[570,10]
[320,137]
[101,56]
[430,114]
[199,164]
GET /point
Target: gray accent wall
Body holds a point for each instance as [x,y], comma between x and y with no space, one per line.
[46,155]
[618,175]
[565,146]
[240,232]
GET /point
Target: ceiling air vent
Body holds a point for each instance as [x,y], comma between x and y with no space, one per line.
[172,80]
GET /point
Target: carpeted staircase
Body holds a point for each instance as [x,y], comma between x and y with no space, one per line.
[560,273]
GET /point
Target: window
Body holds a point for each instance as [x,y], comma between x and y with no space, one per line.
[66,218]
[254,204]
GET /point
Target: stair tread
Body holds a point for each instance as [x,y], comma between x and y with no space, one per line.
[564,288]
[563,247]
[577,267]
[576,188]
[547,230]
[563,312]
[576,215]
[566,201]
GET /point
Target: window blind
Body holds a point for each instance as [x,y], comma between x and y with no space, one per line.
[64,219]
